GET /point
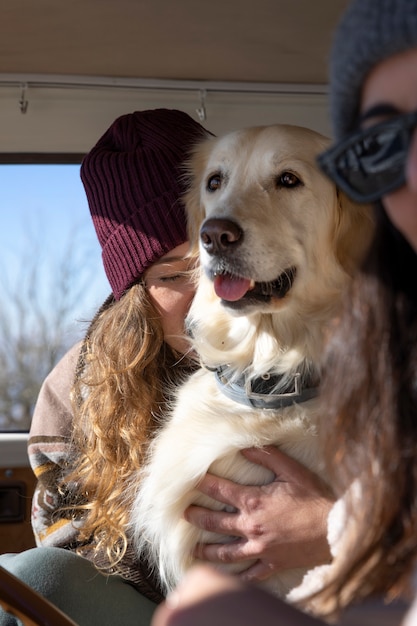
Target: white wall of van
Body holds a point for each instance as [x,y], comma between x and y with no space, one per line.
[69,113]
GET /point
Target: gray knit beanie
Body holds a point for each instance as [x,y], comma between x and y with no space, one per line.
[369,32]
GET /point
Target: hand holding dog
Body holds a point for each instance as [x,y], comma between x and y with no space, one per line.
[282,524]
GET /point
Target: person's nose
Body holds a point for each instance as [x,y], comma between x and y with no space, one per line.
[411,165]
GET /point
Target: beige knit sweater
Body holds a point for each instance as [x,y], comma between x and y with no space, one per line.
[49,450]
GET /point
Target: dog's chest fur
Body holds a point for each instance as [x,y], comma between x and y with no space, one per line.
[207,431]
[277,246]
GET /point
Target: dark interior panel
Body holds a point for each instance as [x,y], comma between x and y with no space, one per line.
[16,489]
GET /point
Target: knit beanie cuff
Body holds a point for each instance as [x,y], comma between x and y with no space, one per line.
[143,238]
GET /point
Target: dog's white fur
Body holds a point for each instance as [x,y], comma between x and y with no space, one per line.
[290,215]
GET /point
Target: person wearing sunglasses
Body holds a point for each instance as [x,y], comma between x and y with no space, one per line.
[369,391]
[370,428]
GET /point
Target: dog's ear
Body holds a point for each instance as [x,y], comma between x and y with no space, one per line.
[353,231]
[195,168]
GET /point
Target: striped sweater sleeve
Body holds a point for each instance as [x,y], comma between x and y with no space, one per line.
[49,449]
[49,452]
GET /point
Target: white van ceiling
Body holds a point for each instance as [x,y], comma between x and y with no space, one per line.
[120,55]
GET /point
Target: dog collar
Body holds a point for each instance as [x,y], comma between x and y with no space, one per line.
[259,392]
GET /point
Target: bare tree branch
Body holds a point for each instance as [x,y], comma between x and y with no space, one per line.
[37,321]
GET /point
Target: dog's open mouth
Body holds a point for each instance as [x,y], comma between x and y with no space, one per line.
[235,289]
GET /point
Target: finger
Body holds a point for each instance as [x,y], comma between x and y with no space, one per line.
[233,552]
[198,584]
[163,615]
[258,571]
[283,466]
[221,489]
[213,521]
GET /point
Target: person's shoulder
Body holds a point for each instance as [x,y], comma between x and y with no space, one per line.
[53,411]
[70,358]
[64,370]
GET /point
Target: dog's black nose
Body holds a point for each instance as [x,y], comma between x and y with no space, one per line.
[220,235]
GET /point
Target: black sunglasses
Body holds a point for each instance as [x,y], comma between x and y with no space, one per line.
[371,163]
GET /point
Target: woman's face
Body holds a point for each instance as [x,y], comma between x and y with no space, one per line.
[394,83]
[168,282]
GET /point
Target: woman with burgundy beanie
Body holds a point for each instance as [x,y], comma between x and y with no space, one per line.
[135,350]
[120,379]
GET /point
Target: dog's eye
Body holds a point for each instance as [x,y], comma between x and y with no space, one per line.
[214,182]
[288,179]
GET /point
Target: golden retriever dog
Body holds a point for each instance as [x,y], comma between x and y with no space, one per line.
[278,244]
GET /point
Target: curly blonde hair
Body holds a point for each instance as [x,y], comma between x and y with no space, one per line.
[122,390]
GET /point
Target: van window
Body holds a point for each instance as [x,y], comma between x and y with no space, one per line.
[51,279]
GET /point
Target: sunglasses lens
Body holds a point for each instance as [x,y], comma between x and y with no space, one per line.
[370,165]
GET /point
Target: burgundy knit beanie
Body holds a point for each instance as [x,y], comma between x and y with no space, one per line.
[134,183]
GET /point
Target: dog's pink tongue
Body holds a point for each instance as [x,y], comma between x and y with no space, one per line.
[231,289]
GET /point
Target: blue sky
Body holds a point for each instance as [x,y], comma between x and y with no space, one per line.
[44,214]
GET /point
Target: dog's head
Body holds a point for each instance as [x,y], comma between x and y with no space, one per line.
[274,234]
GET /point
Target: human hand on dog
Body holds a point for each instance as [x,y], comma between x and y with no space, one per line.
[206,596]
[282,524]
